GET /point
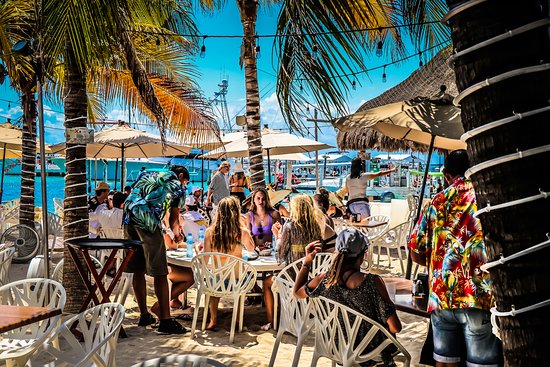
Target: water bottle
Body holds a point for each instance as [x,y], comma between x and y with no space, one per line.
[200,237]
[274,244]
[189,240]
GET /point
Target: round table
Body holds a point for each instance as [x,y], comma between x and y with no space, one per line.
[261,264]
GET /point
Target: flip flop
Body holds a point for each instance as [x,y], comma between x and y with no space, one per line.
[213,329]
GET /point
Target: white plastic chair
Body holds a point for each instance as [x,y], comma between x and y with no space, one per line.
[58,207]
[6,255]
[182,360]
[295,313]
[336,329]
[224,276]
[204,215]
[17,346]
[393,238]
[99,327]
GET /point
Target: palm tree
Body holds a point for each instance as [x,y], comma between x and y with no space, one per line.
[312,43]
[15,17]
[521,282]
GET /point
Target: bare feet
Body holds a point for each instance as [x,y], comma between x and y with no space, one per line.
[175,303]
[212,326]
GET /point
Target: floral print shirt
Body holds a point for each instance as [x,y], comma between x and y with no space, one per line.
[450,237]
[151,197]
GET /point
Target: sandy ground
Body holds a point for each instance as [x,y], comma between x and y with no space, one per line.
[252,347]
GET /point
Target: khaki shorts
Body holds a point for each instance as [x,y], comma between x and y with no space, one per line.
[151,256]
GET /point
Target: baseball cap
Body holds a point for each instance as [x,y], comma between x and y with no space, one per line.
[351,242]
[195,189]
[102,186]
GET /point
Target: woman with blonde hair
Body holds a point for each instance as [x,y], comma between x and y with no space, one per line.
[228,235]
[345,283]
[302,228]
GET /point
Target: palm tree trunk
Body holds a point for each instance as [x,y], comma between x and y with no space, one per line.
[28,160]
[248,10]
[524,281]
[75,216]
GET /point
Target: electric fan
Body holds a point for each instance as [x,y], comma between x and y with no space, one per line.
[25,241]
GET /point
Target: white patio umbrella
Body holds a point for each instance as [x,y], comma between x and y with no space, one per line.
[123,142]
[433,122]
[273,142]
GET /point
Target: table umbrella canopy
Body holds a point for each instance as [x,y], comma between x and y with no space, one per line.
[290,157]
[11,138]
[273,142]
[415,120]
[123,141]
[10,153]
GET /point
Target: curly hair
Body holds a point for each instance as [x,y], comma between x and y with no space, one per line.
[305,216]
[227,225]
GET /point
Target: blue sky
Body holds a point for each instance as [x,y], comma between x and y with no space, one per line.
[222,62]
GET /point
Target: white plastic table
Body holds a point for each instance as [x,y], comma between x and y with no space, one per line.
[261,264]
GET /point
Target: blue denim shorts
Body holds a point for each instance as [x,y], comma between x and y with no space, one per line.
[472,326]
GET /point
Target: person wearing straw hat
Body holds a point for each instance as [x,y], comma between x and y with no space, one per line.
[238,182]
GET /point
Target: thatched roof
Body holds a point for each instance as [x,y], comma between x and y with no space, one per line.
[425,82]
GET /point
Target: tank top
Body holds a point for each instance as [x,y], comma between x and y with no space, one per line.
[265,230]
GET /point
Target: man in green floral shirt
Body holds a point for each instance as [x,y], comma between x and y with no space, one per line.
[152,196]
[448,239]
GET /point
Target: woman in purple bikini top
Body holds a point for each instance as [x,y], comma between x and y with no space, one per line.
[261,218]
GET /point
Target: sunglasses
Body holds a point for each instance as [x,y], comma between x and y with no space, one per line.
[261,231]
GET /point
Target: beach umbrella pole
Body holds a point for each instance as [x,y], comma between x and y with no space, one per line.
[122,170]
[268,167]
[202,173]
[116,172]
[3,164]
[45,245]
[420,199]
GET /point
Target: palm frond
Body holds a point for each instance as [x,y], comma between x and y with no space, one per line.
[189,114]
[325,26]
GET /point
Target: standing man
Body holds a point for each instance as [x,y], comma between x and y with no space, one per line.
[448,239]
[219,187]
[152,196]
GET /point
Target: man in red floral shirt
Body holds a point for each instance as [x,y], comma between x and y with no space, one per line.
[448,239]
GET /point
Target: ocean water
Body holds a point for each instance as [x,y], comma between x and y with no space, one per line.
[55,188]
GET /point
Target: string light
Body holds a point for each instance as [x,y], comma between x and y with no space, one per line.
[420,63]
[379,48]
[353,85]
[203,49]
[384,76]
[301,88]
[257,50]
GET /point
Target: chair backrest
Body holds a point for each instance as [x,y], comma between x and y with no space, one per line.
[99,327]
[295,313]
[204,215]
[393,237]
[55,228]
[6,255]
[183,360]
[33,292]
[112,232]
[336,334]
[375,232]
[222,274]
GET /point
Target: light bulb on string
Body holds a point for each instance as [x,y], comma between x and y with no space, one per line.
[353,85]
[203,49]
[301,88]
[379,48]
[420,63]
[384,76]
[257,50]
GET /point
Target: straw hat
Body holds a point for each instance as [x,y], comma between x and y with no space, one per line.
[238,168]
[102,186]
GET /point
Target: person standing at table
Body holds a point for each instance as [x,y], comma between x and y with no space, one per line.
[238,182]
[97,203]
[356,187]
[219,187]
[448,239]
[152,197]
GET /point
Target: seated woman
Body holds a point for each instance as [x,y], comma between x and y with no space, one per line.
[301,229]
[180,277]
[322,203]
[261,218]
[228,235]
[346,284]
